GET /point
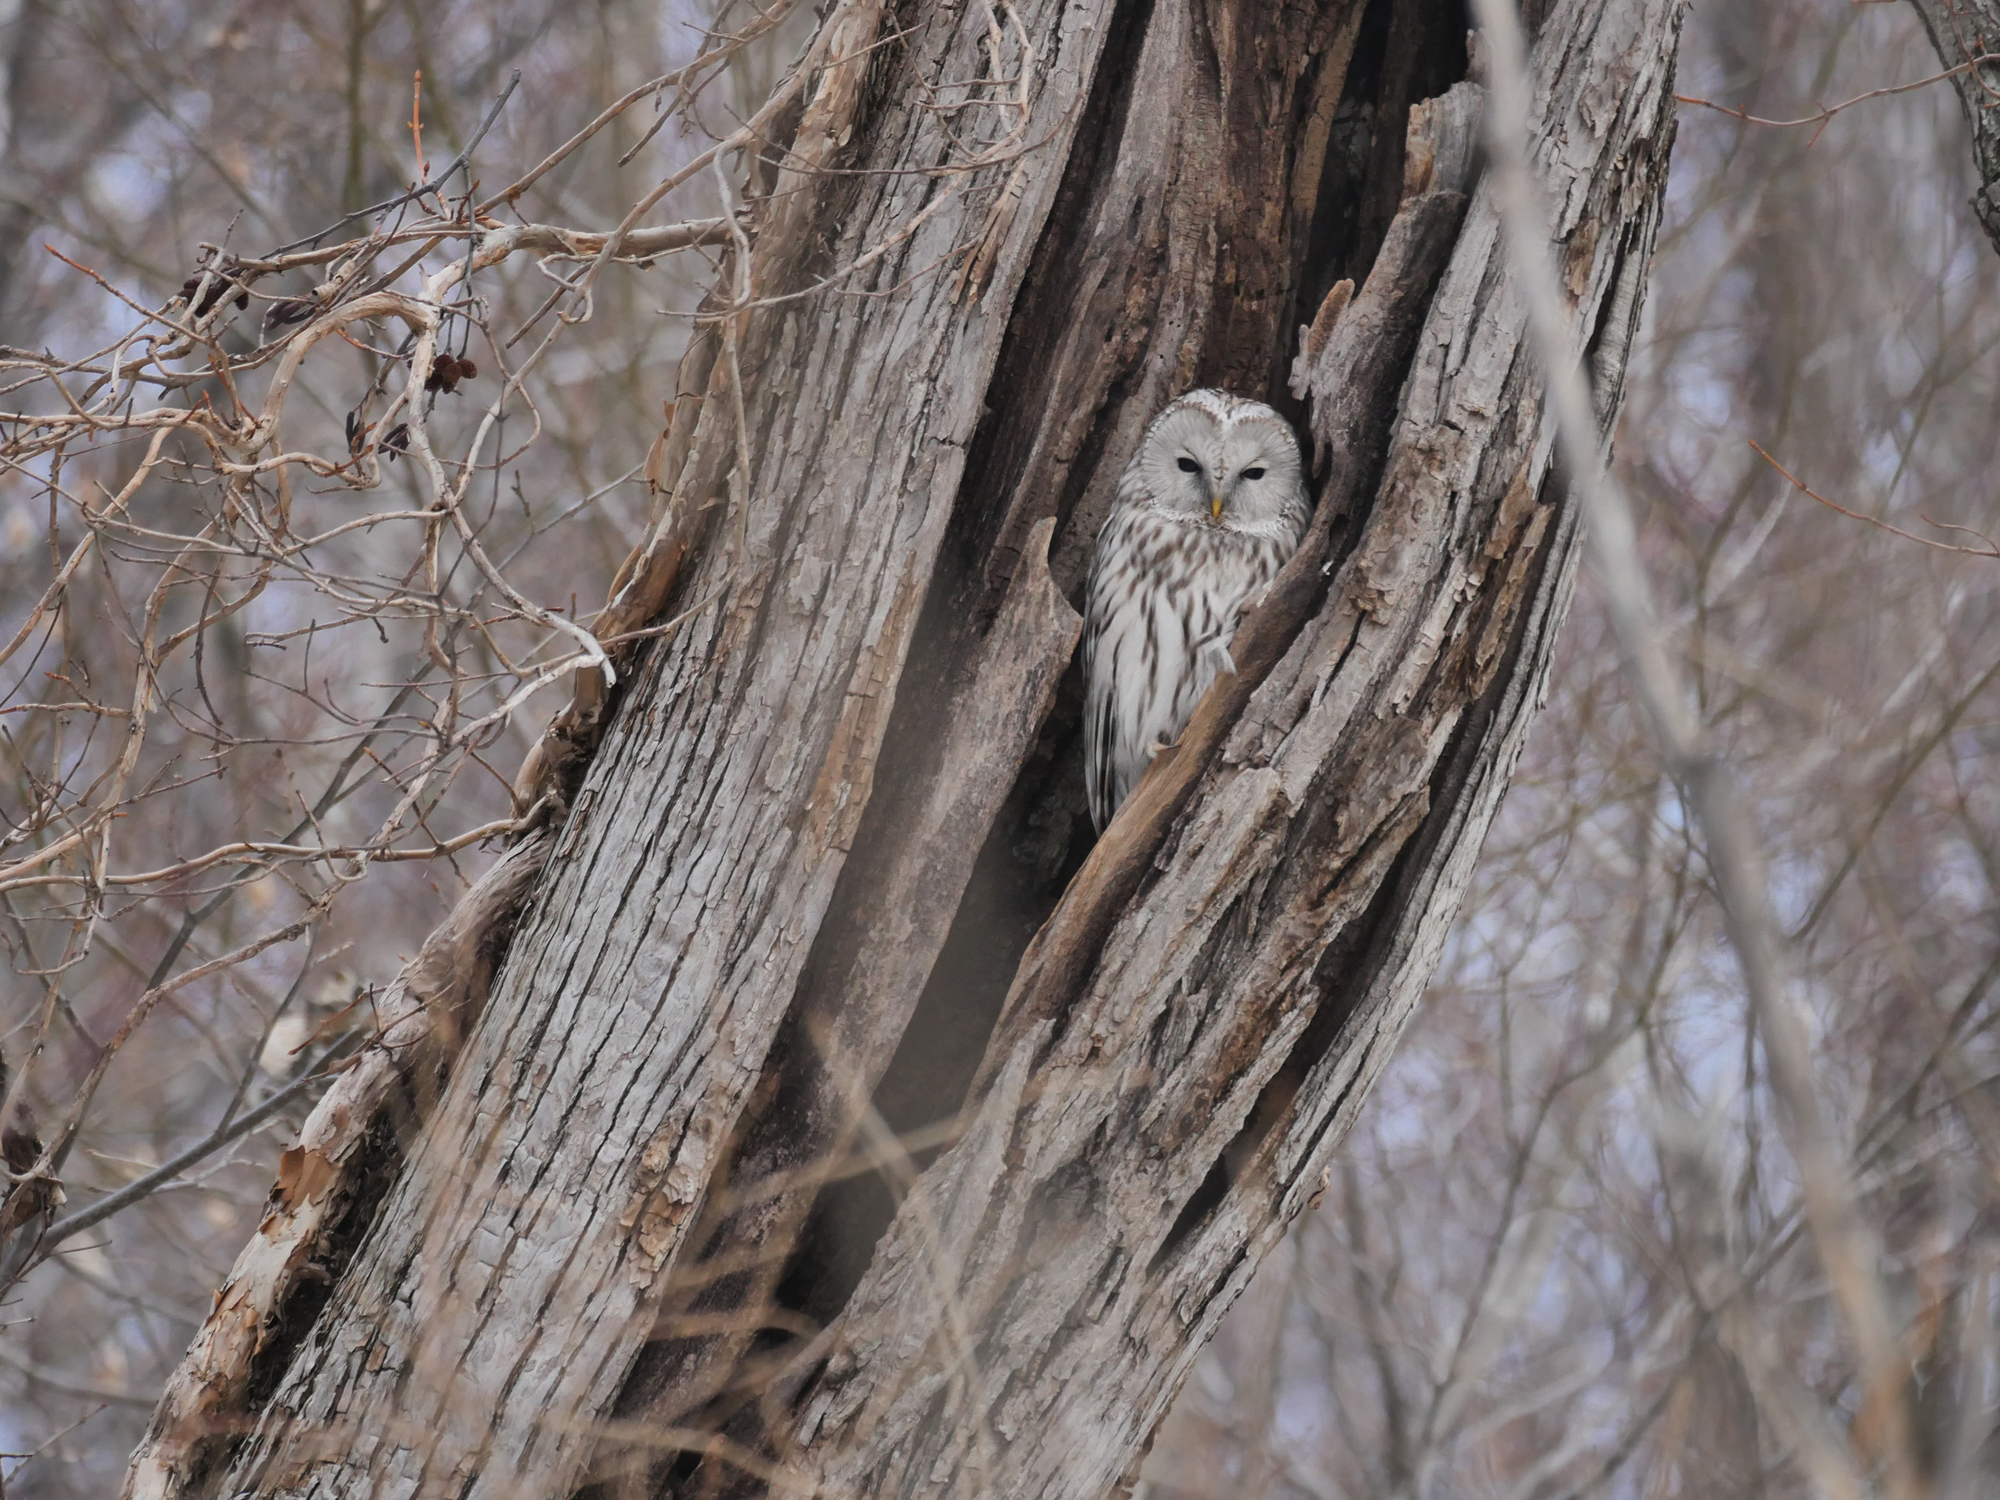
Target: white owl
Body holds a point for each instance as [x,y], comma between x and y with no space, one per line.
[1207,512]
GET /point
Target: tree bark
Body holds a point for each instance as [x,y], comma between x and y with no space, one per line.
[788,911]
[1964,31]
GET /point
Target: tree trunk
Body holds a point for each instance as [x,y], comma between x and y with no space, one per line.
[1964,31]
[658,1233]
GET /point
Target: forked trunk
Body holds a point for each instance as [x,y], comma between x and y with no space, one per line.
[659,1234]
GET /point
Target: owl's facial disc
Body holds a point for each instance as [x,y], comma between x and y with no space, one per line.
[1243,459]
[1220,462]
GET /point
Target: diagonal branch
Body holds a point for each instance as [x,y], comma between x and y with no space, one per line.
[1846,1244]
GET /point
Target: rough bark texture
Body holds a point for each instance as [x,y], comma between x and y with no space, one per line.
[787,907]
[1157,269]
[1046,1286]
[329,1183]
[1963,30]
[507,1285]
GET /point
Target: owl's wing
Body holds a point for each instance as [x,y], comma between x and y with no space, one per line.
[1213,657]
[1099,734]
[1115,664]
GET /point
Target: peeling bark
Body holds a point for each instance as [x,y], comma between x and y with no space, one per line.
[800,855]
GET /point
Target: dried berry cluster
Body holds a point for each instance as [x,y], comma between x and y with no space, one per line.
[449,371]
[220,285]
[23,1197]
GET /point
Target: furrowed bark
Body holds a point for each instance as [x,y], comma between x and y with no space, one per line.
[1154,263]
[802,851]
[508,1281]
[1966,34]
[1047,1284]
[856,997]
[329,1182]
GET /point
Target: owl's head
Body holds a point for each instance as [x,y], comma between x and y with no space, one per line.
[1224,461]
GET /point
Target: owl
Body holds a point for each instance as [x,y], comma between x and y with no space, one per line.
[1207,512]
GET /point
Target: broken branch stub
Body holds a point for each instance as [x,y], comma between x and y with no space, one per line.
[328,1180]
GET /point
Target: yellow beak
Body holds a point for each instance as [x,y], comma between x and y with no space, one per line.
[1215,507]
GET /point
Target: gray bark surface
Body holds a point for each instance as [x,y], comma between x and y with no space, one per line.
[787,908]
[1966,34]
[505,1289]
[1246,1001]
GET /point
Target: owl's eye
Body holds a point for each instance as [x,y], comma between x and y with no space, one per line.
[1189,466]
[1253,473]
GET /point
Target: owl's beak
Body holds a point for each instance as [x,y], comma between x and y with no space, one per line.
[1215,507]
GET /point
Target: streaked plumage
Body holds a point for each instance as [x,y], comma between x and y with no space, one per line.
[1207,512]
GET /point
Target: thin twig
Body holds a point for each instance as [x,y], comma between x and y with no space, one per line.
[1822,117]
